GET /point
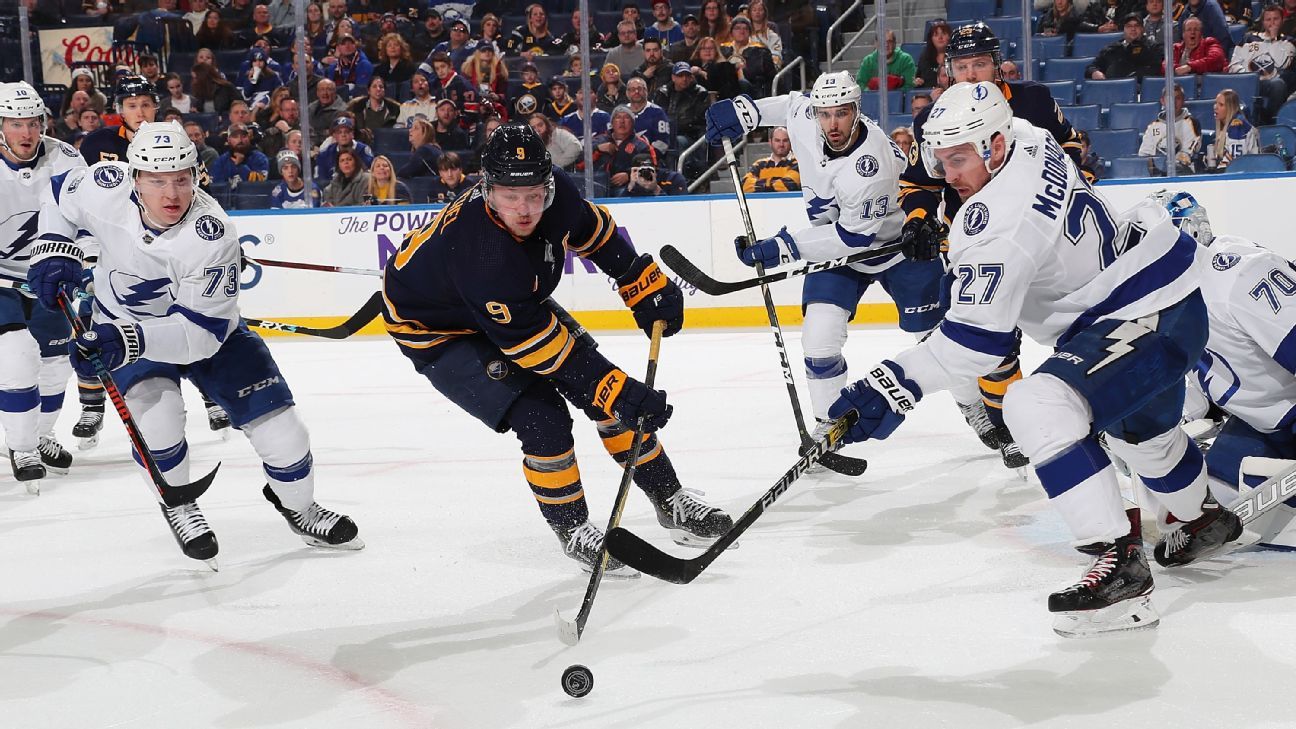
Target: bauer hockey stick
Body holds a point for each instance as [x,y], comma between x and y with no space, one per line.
[314,267]
[695,277]
[569,631]
[1253,504]
[639,554]
[172,495]
[367,313]
[833,461]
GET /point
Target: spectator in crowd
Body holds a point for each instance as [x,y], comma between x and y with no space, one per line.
[1062,18]
[265,110]
[283,13]
[564,148]
[349,185]
[714,21]
[74,103]
[261,27]
[175,96]
[779,171]
[198,136]
[1237,11]
[655,69]
[531,96]
[1133,56]
[628,55]
[1234,134]
[171,115]
[752,60]
[384,187]
[241,160]
[492,30]
[1188,138]
[447,132]
[285,120]
[650,119]
[341,138]
[1196,53]
[1213,23]
[207,56]
[83,80]
[664,28]
[447,84]
[421,106]
[323,110]
[615,151]
[66,126]
[901,67]
[683,50]
[196,14]
[349,67]
[426,153]
[649,180]
[1008,71]
[764,31]
[89,121]
[152,72]
[904,139]
[611,93]
[630,12]
[1268,54]
[685,102]
[337,12]
[210,90]
[374,110]
[560,103]
[1154,21]
[575,121]
[461,45]
[573,69]
[932,59]
[432,34]
[394,65]
[317,31]
[259,78]
[534,37]
[486,68]
[712,70]
[1091,165]
[215,33]
[237,15]
[1106,15]
[239,113]
[1289,18]
[451,181]
[345,26]
[598,41]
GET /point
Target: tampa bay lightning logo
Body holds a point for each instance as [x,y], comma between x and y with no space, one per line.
[69,150]
[135,294]
[72,187]
[108,176]
[867,166]
[979,92]
[209,228]
[809,112]
[975,218]
[1224,261]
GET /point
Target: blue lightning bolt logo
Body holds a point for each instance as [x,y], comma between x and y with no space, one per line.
[1122,343]
[135,293]
[821,209]
[23,235]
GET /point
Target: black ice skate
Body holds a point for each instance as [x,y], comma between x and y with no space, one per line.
[1200,537]
[1013,458]
[217,418]
[28,469]
[317,526]
[975,415]
[87,427]
[195,537]
[1114,595]
[691,521]
[55,457]
[584,543]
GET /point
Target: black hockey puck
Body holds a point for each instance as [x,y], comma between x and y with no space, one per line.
[577,680]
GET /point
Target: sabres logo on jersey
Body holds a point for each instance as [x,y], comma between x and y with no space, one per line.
[975,218]
[867,165]
[209,228]
[108,177]
[1224,261]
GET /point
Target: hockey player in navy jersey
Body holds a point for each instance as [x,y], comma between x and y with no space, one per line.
[34,368]
[973,56]
[466,301]
[1035,249]
[166,307]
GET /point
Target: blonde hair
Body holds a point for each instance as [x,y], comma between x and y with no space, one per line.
[1232,110]
[379,192]
[404,46]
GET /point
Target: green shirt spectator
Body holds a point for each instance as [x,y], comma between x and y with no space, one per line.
[900,68]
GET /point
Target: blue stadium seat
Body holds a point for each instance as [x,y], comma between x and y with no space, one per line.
[913,49]
[391,139]
[1287,114]
[1087,117]
[1237,31]
[1009,31]
[1064,92]
[902,119]
[869,103]
[1047,47]
[1089,44]
[1278,138]
[980,9]
[1257,163]
[1113,143]
[419,188]
[1067,69]
[1203,110]
[1125,168]
[1132,116]
[1247,85]
[1109,91]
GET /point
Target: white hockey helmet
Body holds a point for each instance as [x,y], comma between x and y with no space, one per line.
[835,89]
[966,113]
[162,147]
[1188,215]
[18,100]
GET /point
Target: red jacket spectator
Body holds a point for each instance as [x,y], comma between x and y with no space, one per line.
[1205,54]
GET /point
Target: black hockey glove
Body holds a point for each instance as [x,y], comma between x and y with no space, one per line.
[626,399]
[922,237]
[651,295]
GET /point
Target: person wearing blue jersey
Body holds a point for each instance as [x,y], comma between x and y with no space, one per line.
[291,191]
[650,119]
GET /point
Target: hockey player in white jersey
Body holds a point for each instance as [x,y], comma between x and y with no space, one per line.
[34,368]
[850,172]
[1035,247]
[166,306]
[1249,366]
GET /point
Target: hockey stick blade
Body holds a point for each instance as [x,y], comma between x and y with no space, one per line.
[694,276]
[639,554]
[845,465]
[174,496]
[367,313]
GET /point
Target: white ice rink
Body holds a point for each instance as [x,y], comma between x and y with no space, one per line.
[913,596]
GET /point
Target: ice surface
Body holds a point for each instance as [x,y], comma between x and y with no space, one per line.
[913,596]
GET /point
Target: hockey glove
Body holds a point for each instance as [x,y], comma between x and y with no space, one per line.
[731,119]
[55,266]
[882,398]
[651,295]
[770,252]
[626,399]
[922,238]
[116,344]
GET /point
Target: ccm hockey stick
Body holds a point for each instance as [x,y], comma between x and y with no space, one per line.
[832,461]
[371,309]
[314,267]
[569,631]
[172,495]
[639,554]
[695,277]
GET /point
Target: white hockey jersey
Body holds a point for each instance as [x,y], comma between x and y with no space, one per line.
[1039,249]
[852,200]
[21,186]
[180,285]
[1257,53]
[1249,367]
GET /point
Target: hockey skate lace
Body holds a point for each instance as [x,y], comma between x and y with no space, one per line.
[50,447]
[587,536]
[684,506]
[316,519]
[23,459]
[1176,540]
[975,415]
[187,521]
[90,418]
[1100,569]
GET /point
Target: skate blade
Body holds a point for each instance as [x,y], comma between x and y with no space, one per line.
[1126,615]
[212,564]
[685,539]
[625,573]
[59,471]
[354,545]
[33,487]
[85,444]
